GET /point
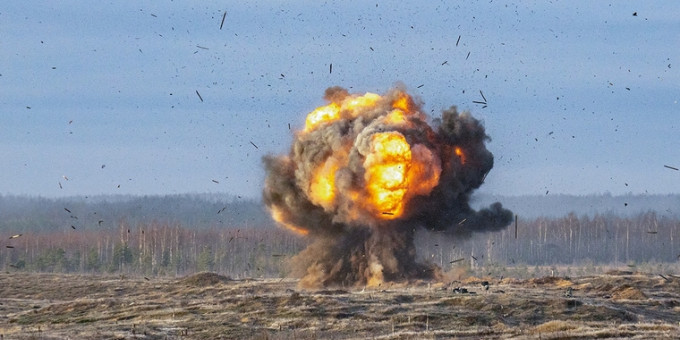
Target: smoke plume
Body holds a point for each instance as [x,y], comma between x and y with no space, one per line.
[365,173]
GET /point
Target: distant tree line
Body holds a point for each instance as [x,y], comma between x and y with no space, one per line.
[567,240]
[154,249]
[183,234]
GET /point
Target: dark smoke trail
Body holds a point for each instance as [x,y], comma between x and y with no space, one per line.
[365,173]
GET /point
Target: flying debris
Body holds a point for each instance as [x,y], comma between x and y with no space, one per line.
[67,210]
[224,16]
[366,172]
[216,181]
[671,167]
[330,68]
[15,236]
[199,96]
[253,144]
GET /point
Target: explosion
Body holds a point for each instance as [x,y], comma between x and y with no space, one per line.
[365,173]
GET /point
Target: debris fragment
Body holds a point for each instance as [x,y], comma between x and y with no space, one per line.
[69,211]
[461,259]
[10,247]
[457,41]
[224,16]
[468,56]
[482,93]
[387,213]
[199,96]
[670,167]
[421,85]
[331,68]
[254,145]
[215,181]
[15,236]
[445,62]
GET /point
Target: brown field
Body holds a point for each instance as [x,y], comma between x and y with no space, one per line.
[209,306]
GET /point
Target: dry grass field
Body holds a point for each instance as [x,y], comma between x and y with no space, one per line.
[209,306]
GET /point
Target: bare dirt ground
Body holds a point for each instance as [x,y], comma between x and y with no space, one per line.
[209,306]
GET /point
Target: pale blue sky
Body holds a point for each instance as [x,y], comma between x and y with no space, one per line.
[582,95]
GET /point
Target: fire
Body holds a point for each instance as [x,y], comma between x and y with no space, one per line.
[324,114]
[277,215]
[365,172]
[392,174]
[322,188]
[460,154]
[403,102]
[349,107]
[386,173]
[354,104]
[396,172]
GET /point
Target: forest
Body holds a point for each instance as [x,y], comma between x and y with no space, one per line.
[184,234]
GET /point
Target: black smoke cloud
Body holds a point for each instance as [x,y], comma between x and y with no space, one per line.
[354,245]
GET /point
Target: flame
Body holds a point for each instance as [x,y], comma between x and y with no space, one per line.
[321,115]
[354,104]
[351,107]
[386,168]
[395,171]
[277,215]
[460,154]
[403,102]
[322,187]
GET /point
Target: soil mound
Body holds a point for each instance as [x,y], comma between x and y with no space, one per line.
[552,280]
[204,279]
[627,292]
